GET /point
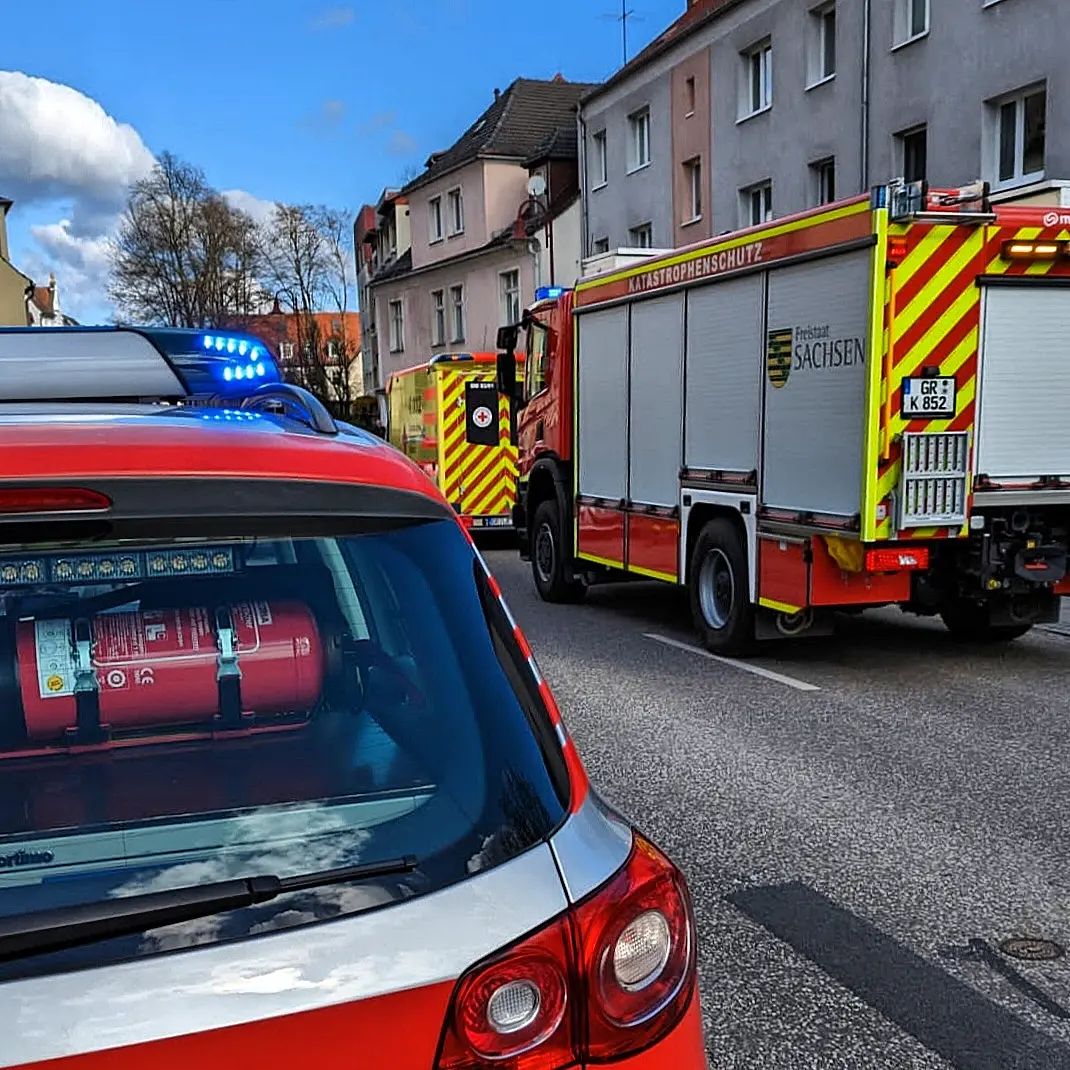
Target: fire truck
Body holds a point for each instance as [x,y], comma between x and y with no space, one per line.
[855,406]
[447,416]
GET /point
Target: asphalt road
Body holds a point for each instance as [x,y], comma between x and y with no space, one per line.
[856,851]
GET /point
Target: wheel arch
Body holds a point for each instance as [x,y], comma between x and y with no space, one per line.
[548,480]
[712,505]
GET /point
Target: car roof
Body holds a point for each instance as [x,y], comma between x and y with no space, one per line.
[85,441]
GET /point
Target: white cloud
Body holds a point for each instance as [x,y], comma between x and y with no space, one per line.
[80,263]
[64,154]
[334,18]
[57,142]
[85,252]
[257,207]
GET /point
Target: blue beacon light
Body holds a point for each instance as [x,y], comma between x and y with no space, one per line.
[254,365]
[547,293]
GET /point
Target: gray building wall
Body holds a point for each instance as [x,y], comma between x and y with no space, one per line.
[645,196]
[974,51]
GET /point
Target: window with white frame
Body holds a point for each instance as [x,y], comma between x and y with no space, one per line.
[509,297]
[397,327]
[1016,135]
[457,313]
[822,52]
[438,317]
[689,96]
[638,139]
[823,180]
[911,20]
[913,153]
[434,219]
[455,211]
[641,237]
[599,160]
[757,88]
[756,204]
[693,189]
[286,352]
[599,246]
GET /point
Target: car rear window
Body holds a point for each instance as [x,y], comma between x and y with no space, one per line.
[178,712]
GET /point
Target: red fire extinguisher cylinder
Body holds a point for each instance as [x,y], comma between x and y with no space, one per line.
[161,667]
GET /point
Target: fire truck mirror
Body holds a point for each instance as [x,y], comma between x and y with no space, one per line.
[506,366]
[507,337]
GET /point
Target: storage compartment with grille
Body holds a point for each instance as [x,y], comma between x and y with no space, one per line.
[932,486]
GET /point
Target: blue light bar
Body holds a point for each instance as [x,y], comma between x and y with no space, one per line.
[550,293]
[231,363]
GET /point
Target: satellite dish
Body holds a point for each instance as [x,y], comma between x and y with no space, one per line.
[536,185]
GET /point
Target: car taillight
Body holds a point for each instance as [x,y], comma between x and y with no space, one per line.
[515,1007]
[638,948]
[611,977]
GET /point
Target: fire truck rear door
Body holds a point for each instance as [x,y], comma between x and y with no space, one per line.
[1022,430]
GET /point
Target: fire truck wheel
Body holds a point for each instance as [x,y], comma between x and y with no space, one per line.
[548,558]
[968,622]
[720,603]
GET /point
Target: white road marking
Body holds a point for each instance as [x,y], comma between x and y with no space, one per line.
[746,666]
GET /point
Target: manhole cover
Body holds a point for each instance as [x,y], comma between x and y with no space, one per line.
[1031,949]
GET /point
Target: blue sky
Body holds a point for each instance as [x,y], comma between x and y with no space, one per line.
[292,100]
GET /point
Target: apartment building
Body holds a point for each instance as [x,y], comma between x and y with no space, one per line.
[460,250]
[747,109]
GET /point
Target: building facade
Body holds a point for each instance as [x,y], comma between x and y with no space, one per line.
[322,351]
[15,288]
[462,248]
[43,308]
[747,109]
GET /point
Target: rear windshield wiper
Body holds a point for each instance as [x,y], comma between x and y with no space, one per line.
[86,923]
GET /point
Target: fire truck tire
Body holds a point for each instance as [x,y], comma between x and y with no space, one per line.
[548,557]
[720,602]
[969,623]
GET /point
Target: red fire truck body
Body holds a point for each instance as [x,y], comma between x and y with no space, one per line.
[860,405]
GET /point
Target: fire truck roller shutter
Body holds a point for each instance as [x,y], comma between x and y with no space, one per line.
[815,384]
[603,403]
[725,359]
[656,405]
[1023,430]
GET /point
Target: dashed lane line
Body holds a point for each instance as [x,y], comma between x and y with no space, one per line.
[735,663]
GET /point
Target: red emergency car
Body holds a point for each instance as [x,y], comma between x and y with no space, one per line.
[280,782]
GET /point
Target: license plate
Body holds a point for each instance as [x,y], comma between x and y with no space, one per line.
[491,522]
[928,397]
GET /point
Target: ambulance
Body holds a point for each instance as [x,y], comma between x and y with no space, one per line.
[860,405]
[448,417]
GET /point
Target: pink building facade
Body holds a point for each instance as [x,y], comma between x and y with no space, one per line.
[488,221]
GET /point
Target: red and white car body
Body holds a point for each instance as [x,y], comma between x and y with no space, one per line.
[565,939]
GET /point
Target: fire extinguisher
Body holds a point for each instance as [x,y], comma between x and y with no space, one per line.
[159,668]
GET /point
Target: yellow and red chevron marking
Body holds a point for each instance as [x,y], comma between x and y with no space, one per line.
[479,479]
[936,319]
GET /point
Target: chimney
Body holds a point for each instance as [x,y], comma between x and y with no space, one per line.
[497,92]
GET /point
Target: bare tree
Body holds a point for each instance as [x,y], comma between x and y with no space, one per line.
[306,260]
[183,256]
